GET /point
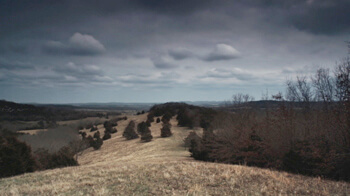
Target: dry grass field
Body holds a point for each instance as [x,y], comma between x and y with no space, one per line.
[161,167]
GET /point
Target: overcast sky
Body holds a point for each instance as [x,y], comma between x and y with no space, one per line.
[75,51]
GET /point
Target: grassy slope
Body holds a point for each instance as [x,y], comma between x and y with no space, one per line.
[161,167]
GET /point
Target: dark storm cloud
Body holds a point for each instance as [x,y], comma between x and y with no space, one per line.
[79,44]
[174,6]
[116,37]
[322,16]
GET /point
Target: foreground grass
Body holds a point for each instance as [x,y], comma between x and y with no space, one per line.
[161,167]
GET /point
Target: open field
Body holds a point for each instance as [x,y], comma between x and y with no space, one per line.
[161,167]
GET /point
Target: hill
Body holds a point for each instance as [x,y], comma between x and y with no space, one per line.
[11,111]
[161,167]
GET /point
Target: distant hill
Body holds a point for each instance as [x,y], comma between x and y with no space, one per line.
[26,112]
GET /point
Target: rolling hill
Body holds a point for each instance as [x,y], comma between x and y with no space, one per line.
[161,167]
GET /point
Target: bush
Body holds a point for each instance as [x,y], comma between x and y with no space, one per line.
[111,130]
[97,143]
[129,132]
[147,136]
[15,157]
[191,136]
[166,117]
[107,136]
[186,118]
[150,117]
[144,131]
[97,134]
[165,131]
[110,124]
[83,135]
[158,120]
[114,130]
[93,128]
[309,158]
[63,158]
[197,147]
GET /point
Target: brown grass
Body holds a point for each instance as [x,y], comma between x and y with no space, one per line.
[161,167]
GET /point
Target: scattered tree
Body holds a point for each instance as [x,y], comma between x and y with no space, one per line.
[165,131]
[129,132]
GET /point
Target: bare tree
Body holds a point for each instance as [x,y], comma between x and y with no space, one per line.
[342,80]
[324,85]
[240,98]
[299,90]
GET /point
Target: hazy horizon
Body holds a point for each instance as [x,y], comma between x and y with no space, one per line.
[155,51]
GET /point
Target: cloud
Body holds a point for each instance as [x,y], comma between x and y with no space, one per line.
[14,65]
[222,52]
[236,73]
[162,62]
[79,44]
[79,70]
[322,16]
[180,53]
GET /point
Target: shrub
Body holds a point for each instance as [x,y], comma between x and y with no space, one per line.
[191,136]
[114,130]
[150,117]
[93,128]
[97,134]
[129,132]
[83,135]
[111,130]
[165,131]
[309,158]
[142,128]
[147,136]
[144,131]
[197,148]
[186,118]
[166,117]
[106,136]
[63,158]
[97,143]
[158,120]
[15,157]
[110,124]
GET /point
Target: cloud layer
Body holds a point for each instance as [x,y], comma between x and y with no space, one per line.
[114,50]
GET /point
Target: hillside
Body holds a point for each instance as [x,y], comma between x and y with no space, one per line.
[161,167]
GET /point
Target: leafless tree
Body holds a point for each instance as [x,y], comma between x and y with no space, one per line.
[324,85]
[342,80]
[240,98]
[299,90]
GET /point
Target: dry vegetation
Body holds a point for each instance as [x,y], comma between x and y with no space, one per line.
[161,167]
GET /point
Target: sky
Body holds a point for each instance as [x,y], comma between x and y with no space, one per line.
[80,51]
